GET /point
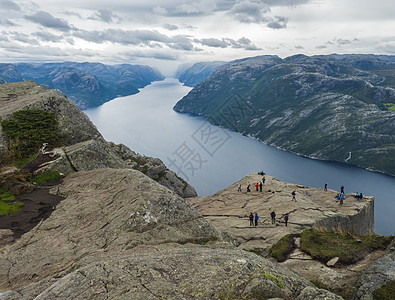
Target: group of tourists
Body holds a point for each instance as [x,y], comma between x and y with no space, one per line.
[258,186]
[254,218]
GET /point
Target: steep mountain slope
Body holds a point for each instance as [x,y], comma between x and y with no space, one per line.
[192,76]
[86,84]
[328,107]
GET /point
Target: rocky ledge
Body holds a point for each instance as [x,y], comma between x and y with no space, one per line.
[229,209]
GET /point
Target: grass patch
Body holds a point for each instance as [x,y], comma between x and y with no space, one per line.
[390,106]
[386,292]
[8,206]
[285,246]
[319,284]
[28,130]
[46,176]
[350,248]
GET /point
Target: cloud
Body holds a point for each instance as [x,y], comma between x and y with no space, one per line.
[104,15]
[243,43]
[24,38]
[343,42]
[249,11]
[160,10]
[45,19]
[278,23]
[47,36]
[9,5]
[7,23]
[321,47]
[170,26]
[299,47]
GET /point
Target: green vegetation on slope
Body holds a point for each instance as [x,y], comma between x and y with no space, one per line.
[386,292]
[324,245]
[8,205]
[27,132]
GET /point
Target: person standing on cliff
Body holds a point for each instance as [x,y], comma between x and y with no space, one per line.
[286,219]
[293,196]
[342,190]
[325,187]
[248,188]
[257,186]
[239,188]
[251,217]
[273,215]
[256,219]
[260,186]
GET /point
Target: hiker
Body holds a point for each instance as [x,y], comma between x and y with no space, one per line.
[239,188]
[251,217]
[341,197]
[263,180]
[256,219]
[293,196]
[248,188]
[257,186]
[342,190]
[325,187]
[286,219]
[261,173]
[260,186]
[273,215]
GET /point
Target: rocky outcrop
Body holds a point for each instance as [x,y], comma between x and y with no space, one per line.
[118,234]
[83,147]
[381,272]
[228,210]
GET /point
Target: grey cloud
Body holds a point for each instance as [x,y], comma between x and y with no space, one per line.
[299,47]
[212,42]
[278,23]
[125,37]
[104,15]
[250,12]
[321,47]
[47,36]
[286,2]
[136,37]
[9,5]
[243,43]
[7,23]
[343,42]
[45,19]
[170,27]
[24,38]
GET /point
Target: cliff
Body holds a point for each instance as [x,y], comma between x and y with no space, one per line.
[229,209]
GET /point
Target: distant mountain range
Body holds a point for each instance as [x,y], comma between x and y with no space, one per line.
[334,107]
[86,84]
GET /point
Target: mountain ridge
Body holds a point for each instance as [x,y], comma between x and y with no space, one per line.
[320,107]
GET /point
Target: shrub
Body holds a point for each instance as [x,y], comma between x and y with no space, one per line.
[28,130]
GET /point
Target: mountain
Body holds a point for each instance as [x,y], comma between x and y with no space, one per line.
[86,84]
[193,75]
[334,107]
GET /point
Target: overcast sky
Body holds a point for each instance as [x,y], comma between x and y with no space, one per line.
[166,33]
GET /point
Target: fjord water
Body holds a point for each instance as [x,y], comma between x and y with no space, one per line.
[211,158]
